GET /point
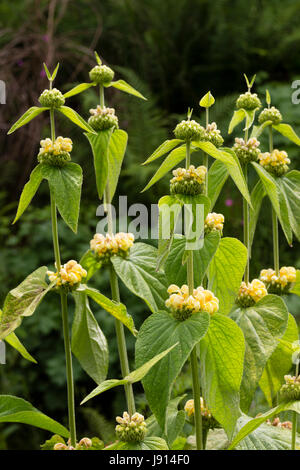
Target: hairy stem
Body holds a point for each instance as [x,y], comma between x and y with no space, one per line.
[246,229]
[274,218]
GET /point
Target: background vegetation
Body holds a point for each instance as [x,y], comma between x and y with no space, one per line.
[173,52]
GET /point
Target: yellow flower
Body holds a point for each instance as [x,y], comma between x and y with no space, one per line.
[182,304]
[214,222]
[276,162]
[189,408]
[280,283]
[106,246]
[70,274]
[251,293]
[61,144]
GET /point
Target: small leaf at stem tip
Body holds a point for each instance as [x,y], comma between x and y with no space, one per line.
[189,113]
[252,80]
[207,100]
[268,98]
[99,61]
[47,72]
[55,72]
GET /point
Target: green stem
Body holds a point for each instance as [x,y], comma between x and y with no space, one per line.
[101,93]
[246,229]
[64,310]
[188,154]
[294,419]
[274,217]
[69,369]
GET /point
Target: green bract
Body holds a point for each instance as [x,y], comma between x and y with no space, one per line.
[52,98]
[102,75]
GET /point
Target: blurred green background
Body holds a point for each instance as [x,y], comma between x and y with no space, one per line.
[173,51]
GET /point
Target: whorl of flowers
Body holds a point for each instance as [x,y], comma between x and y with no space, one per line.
[52,98]
[208,421]
[214,222]
[55,153]
[280,284]
[270,114]
[291,389]
[212,134]
[189,130]
[251,293]
[276,162]
[183,305]
[101,74]
[246,151]
[131,429]
[103,118]
[69,276]
[248,101]
[190,181]
[106,246]
[84,444]
[278,424]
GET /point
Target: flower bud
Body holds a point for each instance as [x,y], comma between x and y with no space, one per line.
[189,130]
[107,246]
[290,391]
[248,101]
[69,277]
[213,135]
[246,151]
[270,114]
[84,443]
[102,75]
[251,293]
[131,429]
[56,153]
[208,421]
[276,162]
[52,98]
[182,305]
[278,284]
[214,222]
[103,118]
[191,181]
[60,446]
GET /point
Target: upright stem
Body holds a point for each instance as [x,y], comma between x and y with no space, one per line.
[188,154]
[246,229]
[193,356]
[205,155]
[64,310]
[274,217]
[294,419]
[101,93]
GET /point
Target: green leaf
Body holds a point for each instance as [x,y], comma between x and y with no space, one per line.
[195,211]
[100,144]
[257,196]
[55,72]
[23,301]
[90,263]
[30,114]
[226,272]
[98,60]
[290,187]
[176,270]
[89,344]
[78,89]
[169,208]
[236,173]
[262,324]
[117,310]
[211,150]
[149,443]
[250,116]
[268,98]
[217,176]
[257,130]
[29,190]
[207,100]
[175,157]
[17,410]
[287,131]
[296,287]
[267,437]
[65,184]
[47,71]
[164,148]
[124,86]
[222,358]
[138,272]
[50,443]
[157,333]
[135,376]
[279,363]
[277,199]
[238,116]
[76,118]
[254,423]
[14,341]
[116,152]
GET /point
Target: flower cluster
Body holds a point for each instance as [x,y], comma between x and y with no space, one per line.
[189,130]
[251,293]
[276,162]
[183,305]
[106,246]
[278,424]
[281,283]
[208,420]
[69,276]
[270,114]
[212,134]
[56,152]
[102,75]
[84,444]
[246,151]
[190,181]
[52,98]
[103,118]
[131,429]
[291,389]
[248,101]
[214,222]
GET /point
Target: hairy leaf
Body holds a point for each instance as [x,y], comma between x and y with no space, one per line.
[30,114]
[29,190]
